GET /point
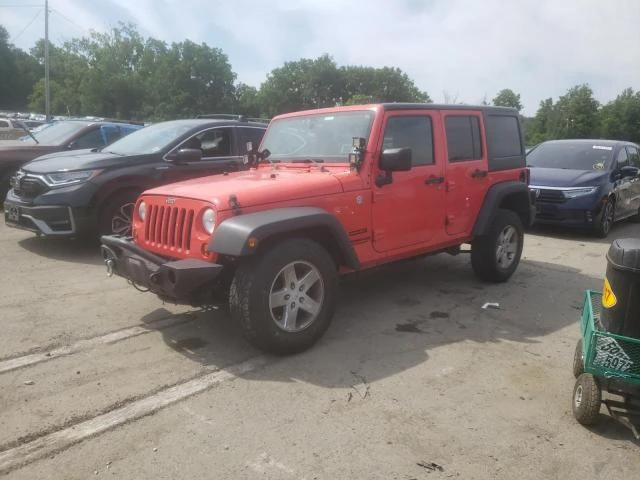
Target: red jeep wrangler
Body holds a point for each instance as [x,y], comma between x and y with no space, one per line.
[332,191]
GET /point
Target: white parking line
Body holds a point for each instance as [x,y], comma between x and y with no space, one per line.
[60,440]
[25,360]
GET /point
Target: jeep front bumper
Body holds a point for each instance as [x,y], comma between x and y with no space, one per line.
[178,281]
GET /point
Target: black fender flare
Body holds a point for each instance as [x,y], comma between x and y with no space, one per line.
[524,206]
[232,236]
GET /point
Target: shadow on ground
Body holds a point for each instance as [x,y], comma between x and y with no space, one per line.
[64,249]
[624,229]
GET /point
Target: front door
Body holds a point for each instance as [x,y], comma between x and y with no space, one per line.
[408,211]
[217,156]
[623,186]
[634,161]
[466,170]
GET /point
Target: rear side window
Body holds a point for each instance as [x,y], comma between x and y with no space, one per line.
[414,132]
[463,138]
[504,142]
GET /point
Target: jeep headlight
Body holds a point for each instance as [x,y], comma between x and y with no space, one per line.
[62,179]
[142,210]
[209,220]
[579,192]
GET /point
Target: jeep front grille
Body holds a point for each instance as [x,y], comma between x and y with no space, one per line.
[167,226]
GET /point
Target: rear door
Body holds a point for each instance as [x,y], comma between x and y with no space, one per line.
[466,169]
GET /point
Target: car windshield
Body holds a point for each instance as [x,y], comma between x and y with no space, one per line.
[57,133]
[327,136]
[151,139]
[571,156]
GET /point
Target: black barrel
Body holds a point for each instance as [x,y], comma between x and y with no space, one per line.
[621,292]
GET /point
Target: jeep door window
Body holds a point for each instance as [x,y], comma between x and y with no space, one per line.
[321,137]
[463,138]
[154,138]
[415,132]
[571,155]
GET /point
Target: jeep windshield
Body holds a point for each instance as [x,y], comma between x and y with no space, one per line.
[571,155]
[152,139]
[326,137]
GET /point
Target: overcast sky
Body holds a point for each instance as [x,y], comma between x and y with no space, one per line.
[466,49]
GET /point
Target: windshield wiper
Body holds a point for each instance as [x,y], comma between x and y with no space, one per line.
[24,127]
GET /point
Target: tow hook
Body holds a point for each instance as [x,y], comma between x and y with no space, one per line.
[109,259]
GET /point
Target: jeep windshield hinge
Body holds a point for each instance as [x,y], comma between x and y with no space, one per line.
[356,157]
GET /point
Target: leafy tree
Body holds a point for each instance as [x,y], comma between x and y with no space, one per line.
[620,118]
[508,98]
[576,114]
[20,72]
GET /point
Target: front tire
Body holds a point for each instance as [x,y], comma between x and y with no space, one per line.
[117,214]
[605,222]
[496,254]
[284,299]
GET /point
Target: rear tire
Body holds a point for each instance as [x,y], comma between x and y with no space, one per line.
[284,299]
[578,360]
[496,254]
[586,399]
[116,215]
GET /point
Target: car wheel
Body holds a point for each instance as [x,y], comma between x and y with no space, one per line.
[115,217]
[578,360]
[496,254]
[586,399]
[283,300]
[606,219]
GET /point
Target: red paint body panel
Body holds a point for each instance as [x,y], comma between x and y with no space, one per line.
[410,216]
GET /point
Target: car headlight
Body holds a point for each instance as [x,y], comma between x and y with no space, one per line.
[579,192]
[142,210]
[209,220]
[59,179]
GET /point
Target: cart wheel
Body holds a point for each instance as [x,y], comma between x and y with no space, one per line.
[578,360]
[586,399]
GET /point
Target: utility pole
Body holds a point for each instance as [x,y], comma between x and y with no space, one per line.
[47,98]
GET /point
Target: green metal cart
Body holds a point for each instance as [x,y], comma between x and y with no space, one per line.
[605,363]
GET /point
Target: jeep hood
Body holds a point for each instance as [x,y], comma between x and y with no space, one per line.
[559,177]
[255,187]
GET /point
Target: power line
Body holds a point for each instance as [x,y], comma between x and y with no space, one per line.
[28,25]
[69,20]
[16,6]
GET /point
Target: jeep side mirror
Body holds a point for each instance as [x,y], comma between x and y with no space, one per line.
[629,171]
[395,160]
[185,155]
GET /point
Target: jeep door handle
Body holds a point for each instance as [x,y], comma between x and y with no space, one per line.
[479,173]
[433,180]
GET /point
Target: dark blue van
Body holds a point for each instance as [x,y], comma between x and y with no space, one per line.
[585,183]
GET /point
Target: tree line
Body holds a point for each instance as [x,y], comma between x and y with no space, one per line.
[121,74]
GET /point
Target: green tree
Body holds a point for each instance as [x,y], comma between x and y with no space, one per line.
[620,118]
[370,85]
[508,98]
[576,114]
[20,72]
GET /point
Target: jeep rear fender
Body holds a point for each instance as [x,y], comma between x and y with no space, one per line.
[232,235]
[510,195]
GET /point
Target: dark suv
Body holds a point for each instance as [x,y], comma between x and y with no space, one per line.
[59,136]
[586,183]
[70,194]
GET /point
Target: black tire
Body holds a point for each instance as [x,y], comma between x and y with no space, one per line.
[578,360]
[488,250]
[586,399]
[252,290]
[5,186]
[606,219]
[112,219]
